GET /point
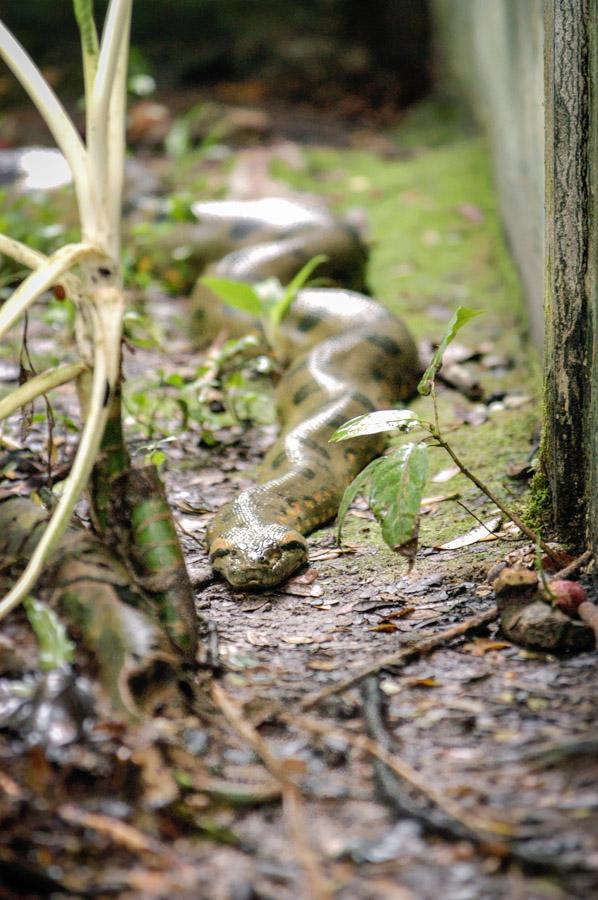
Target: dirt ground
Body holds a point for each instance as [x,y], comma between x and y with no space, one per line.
[468,772]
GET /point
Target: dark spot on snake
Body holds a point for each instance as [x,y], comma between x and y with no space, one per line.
[241,230]
[336,421]
[384,342]
[293,545]
[304,392]
[106,394]
[308,473]
[308,322]
[298,254]
[363,400]
[218,554]
[104,272]
[297,367]
[313,445]
[278,459]
[378,375]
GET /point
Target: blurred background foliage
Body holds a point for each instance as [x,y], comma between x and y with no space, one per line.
[295,47]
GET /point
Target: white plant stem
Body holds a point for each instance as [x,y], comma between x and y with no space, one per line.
[87,450]
[21,253]
[39,385]
[55,117]
[98,178]
[116,25]
[117,141]
[40,280]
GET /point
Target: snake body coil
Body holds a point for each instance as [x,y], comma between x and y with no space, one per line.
[347,356]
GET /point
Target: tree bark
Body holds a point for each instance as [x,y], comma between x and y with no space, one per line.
[569,446]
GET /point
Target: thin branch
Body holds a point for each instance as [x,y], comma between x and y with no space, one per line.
[406,654]
[574,566]
[51,109]
[40,280]
[39,385]
[319,888]
[74,484]
[485,829]
[492,496]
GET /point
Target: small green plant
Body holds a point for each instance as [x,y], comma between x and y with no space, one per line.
[393,485]
[55,648]
[268,301]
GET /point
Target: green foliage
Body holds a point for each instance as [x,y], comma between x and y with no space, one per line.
[538,511]
[231,389]
[268,300]
[374,423]
[394,484]
[393,487]
[31,219]
[55,648]
[236,293]
[461,317]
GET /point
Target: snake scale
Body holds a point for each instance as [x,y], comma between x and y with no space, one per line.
[347,356]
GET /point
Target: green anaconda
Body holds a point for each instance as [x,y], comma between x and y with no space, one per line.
[347,356]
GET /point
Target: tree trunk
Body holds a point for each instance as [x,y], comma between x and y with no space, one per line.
[571,407]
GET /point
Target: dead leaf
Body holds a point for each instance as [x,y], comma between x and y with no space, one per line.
[322,665]
[297,639]
[257,639]
[475,536]
[385,627]
[445,474]
[438,498]
[303,590]
[428,681]
[480,646]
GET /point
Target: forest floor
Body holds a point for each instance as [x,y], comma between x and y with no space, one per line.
[478,778]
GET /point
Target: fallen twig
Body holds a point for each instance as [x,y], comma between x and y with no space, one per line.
[574,566]
[472,827]
[400,657]
[293,808]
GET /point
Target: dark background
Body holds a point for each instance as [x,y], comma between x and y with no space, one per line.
[381,46]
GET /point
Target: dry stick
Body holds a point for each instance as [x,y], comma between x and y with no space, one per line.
[484,829]
[437,435]
[425,645]
[572,568]
[486,490]
[319,889]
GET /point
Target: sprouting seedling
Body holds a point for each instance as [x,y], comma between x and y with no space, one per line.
[268,301]
[393,485]
[97,168]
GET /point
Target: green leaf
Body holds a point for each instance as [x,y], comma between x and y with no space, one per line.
[374,423]
[395,496]
[236,293]
[461,316]
[55,648]
[356,487]
[281,307]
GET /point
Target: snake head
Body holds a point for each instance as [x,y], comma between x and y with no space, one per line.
[257,558]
